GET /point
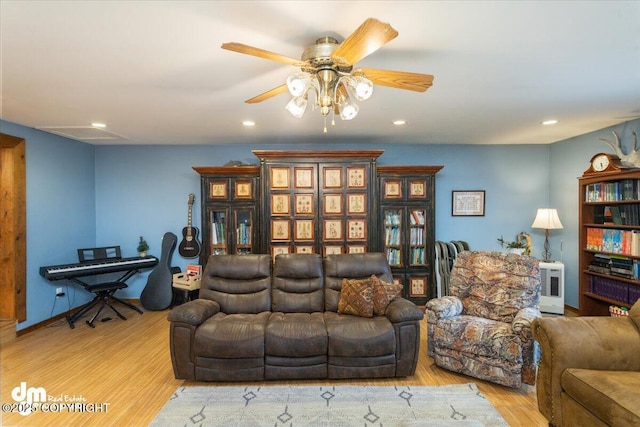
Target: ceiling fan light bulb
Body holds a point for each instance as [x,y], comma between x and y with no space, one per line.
[348,110]
[297,84]
[363,89]
[297,106]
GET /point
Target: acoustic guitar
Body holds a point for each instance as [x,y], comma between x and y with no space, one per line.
[158,292]
[189,247]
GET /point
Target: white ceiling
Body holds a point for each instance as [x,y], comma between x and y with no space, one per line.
[154,72]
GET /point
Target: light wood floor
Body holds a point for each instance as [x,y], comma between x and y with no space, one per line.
[126,364]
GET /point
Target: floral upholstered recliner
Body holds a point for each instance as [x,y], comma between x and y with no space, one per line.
[483,329]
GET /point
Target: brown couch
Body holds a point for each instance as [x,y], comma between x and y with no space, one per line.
[589,373]
[253,324]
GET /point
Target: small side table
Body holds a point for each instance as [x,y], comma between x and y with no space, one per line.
[185,287]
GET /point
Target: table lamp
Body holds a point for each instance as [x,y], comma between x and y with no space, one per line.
[548,220]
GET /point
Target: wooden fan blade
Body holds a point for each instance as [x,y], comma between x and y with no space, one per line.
[366,39]
[268,94]
[261,53]
[399,79]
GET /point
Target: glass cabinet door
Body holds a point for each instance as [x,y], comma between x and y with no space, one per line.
[244,219]
[417,237]
[219,243]
[393,235]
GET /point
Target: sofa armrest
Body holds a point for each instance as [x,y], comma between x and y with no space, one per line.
[194,312]
[522,322]
[440,308]
[402,310]
[602,343]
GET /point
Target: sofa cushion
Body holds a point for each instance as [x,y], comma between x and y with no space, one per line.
[351,266]
[495,285]
[612,396]
[353,336]
[356,297]
[232,336]
[478,336]
[239,283]
[296,335]
[297,284]
[383,293]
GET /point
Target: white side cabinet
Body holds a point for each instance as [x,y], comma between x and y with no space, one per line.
[552,287]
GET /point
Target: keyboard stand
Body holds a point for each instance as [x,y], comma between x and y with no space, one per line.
[105,295]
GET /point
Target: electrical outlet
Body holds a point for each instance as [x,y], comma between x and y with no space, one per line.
[59,292]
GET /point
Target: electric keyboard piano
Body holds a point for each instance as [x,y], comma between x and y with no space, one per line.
[98,261]
[92,268]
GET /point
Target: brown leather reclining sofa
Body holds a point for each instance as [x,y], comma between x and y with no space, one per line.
[251,324]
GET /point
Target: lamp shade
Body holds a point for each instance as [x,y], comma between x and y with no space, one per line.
[547,219]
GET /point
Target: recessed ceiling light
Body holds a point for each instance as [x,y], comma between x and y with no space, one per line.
[399,122]
[248,123]
[98,125]
[549,122]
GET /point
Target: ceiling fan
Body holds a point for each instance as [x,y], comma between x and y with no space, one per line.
[327,69]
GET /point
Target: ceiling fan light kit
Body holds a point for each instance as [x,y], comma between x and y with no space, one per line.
[327,71]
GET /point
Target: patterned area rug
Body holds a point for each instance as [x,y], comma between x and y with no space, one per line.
[328,406]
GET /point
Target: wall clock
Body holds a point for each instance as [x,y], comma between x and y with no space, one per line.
[604,163]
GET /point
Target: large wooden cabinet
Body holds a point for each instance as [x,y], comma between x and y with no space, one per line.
[318,201]
[407,218]
[609,239]
[229,210]
[325,202]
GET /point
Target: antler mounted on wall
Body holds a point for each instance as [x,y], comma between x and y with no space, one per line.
[631,159]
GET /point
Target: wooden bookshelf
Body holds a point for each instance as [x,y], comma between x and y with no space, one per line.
[609,233]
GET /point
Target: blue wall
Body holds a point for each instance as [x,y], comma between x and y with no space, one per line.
[61,215]
[80,195]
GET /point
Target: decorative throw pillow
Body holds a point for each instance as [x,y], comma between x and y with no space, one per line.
[383,293]
[356,297]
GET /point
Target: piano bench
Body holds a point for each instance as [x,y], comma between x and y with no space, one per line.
[105,287]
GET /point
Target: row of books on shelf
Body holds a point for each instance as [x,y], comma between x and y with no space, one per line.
[627,214]
[391,218]
[394,256]
[391,236]
[218,236]
[243,234]
[615,266]
[417,218]
[417,256]
[626,242]
[417,236]
[626,293]
[624,189]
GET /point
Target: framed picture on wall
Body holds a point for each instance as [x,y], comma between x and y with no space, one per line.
[467,203]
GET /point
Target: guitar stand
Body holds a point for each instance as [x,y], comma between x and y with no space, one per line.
[105,295]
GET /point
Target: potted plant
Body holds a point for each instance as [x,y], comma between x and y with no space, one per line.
[519,246]
[143,247]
